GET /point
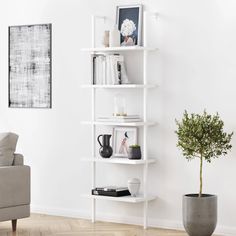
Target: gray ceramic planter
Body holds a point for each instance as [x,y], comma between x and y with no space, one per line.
[134,153]
[199,214]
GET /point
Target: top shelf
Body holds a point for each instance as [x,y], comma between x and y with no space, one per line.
[118,49]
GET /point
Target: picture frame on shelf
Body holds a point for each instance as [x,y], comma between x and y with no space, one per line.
[129,22]
[123,137]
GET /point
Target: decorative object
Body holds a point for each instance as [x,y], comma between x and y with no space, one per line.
[114,37]
[129,21]
[123,138]
[133,186]
[30,66]
[203,137]
[105,147]
[119,105]
[105,41]
[134,152]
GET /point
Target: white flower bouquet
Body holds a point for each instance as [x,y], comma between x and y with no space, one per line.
[127,27]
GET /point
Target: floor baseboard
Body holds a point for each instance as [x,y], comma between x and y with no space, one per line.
[159,223]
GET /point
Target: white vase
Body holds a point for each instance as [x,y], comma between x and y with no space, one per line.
[133,186]
[105,40]
[114,37]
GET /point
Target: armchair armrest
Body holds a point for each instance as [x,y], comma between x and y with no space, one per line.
[18,160]
[14,186]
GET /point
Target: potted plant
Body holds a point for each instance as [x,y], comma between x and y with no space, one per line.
[202,137]
[134,152]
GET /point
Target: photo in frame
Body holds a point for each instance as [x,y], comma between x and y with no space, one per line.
[123,137]
[129,22]
[29,74]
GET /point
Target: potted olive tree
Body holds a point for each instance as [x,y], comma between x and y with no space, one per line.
[201,136]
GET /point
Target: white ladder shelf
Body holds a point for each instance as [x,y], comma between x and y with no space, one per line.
[145,161]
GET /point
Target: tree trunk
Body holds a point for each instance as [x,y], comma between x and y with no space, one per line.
[200,191]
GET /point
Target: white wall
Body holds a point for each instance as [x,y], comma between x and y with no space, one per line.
[196,69]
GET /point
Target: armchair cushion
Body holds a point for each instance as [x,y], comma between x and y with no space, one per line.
[8,143]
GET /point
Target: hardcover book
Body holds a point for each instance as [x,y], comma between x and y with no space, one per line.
[111,191]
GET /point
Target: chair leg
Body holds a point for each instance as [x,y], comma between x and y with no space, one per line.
[14,223]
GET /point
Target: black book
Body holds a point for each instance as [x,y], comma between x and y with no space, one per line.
[111,188]
[112,193]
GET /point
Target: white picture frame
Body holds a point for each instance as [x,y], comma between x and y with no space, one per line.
[123,137]
[132,33]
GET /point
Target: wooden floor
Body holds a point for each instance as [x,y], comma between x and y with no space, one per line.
[42,225]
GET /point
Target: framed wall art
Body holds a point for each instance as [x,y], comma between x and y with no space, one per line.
[30,69]
[123,137]
[129,21]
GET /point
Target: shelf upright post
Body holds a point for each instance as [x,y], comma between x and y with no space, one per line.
[93,28]
[145,167]
[93,130]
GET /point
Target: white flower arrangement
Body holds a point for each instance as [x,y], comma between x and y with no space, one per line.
[127,27]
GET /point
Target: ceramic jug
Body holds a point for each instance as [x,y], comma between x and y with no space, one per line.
[105,149]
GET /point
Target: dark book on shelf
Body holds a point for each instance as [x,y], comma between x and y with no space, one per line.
[111,192]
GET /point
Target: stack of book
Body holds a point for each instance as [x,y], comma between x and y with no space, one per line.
[125,119]
[109,69]
[111,191]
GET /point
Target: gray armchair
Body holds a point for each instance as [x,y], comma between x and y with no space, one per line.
[14,191]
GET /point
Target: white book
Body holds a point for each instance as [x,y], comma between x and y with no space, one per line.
[96,71]
[112,73]
[124,77]
[100,65]
[130,118]
[117,59]
[121,121]
[113,69]
[122,117]
[126,117]
[103,69]
[100,69]
[108,70]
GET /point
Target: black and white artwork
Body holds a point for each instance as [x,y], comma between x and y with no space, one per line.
[30,66]
[129,21]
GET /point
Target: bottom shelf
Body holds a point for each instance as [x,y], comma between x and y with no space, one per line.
[122,199]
